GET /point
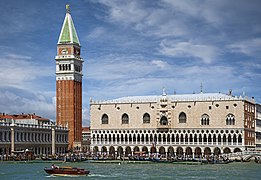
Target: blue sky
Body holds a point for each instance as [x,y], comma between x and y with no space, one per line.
[130,47]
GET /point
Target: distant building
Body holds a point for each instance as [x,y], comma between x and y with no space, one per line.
[69,82]
[173,125]
[86,139]
[19,132]
[25,119]
[258,126]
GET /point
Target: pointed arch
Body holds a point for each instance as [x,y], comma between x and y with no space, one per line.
[162,151]
[128,151]
[195,138]
[230,119]
[125,119]
[239,139]
[105,119]
[179,151]
[182,117]
[188,151]
[198,152]
[146,118]
[112,151]
[171,151]
[205,119]
[163,120]
[217,151]
[120,151]
[237,150]
[207,151]
[168,138]
[227,150]
[95,149]
[103,149]
[145,149]
[153,149]
[136,149]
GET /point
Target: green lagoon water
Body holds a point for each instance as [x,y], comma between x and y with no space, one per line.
[34,170]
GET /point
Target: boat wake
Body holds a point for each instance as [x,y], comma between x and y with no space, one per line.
[59,175]
[101,175]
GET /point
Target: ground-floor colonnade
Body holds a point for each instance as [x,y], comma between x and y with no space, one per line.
[40,139]
[163,151]
[174,142]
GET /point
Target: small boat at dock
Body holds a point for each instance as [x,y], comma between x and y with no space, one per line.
[66,171]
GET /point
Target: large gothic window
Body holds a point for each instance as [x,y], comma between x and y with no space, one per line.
[163,120]
[146,118]
[230,120]
[125,119]
[182,117]
[105,119]
[204,119]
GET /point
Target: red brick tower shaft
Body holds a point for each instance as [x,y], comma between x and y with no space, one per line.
[69,82]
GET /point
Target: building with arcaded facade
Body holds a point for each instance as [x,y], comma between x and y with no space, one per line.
[173,125]
[20,132]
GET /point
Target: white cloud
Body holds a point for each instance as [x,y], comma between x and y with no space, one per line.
[20,101]
[85,117]
[96,33]
[249,47]
[197,9]
[159,63]
[147,20]
[206,53]
[20,71]
[131,76]
[126,12]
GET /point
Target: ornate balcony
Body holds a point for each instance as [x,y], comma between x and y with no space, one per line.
[163,126]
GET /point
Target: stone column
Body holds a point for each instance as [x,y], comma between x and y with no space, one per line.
[237,140]
[12,137]
[53,139]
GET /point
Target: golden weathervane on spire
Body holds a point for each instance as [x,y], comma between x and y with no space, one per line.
[67,8]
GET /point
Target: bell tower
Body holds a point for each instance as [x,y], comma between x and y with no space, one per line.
[69,82]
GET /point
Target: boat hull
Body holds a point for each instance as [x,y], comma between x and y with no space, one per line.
[66,171]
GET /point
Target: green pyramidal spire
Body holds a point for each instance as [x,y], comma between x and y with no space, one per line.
[68,33]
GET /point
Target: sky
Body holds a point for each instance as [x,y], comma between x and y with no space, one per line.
[130,48]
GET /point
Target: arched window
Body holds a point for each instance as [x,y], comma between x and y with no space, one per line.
[146,118]
[182,117]
[105,119]
[204,119]
[230,120]
[163,120]
[125,119]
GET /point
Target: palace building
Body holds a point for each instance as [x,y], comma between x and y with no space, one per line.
[173,125]
[69,82]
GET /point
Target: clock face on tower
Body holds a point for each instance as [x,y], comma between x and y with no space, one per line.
[64,51]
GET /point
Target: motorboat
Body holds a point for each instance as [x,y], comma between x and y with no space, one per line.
[66,171]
